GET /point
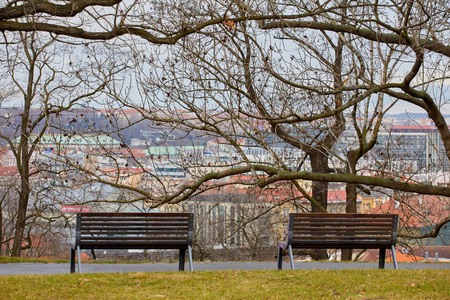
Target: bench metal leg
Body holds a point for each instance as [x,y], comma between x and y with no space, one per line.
[382,259]
[280,258]
[191,267]
[79,259]
[72,260]
[291,257]
[394,258]
[182,259]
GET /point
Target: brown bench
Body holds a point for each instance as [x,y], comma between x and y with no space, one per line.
[340,231]
[133,231]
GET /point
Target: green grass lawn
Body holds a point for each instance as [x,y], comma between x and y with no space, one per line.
[273,284]
[7,259]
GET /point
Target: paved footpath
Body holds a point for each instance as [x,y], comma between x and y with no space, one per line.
[63,268]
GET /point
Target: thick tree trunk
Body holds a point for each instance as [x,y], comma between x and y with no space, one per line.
[350,207]
[23,164]
[20,222]
[1,229]
[21,212]
[319,164]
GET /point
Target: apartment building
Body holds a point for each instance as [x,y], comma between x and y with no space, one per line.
[419,147]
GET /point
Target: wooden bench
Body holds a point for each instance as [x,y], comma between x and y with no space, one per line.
[341,231]
[133,231]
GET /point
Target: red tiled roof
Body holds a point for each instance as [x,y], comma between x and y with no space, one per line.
[9,171]
[417,210]
[373,255]
[425,127]
[276,192]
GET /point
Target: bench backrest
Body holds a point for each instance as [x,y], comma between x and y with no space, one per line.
[134,230]
[342,230]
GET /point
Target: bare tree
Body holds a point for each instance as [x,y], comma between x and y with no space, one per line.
[46,85]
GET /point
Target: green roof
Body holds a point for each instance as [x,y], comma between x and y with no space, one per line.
[170,150]
[163,151]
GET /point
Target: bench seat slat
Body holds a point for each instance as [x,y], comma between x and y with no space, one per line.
[342,231]
[342,224]
[140,245]
[340,219]
[135,223]
[133,231]
[341,238]
[336,218]
[129,238]
[338,228]
[329,236]
[141,228]
[340,215]
[135,214]
[341,245]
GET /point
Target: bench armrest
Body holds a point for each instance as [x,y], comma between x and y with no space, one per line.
[77,237]
[289,234]
[73,245]
[191,230]
[394,230]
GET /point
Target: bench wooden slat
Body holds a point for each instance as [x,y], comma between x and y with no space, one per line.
[133,214]
[141,219]
[332,235]
[342,216]
[342,245]
[341,230]
[134,227]
[136,245]
[137,221]
[136,237]
[312,230]
[131,237]
[126,231]
[346,228]
[344,221]
[342,238]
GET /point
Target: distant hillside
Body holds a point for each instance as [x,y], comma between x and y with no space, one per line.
[412,116]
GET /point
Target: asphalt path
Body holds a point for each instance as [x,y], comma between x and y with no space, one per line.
[63,268]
